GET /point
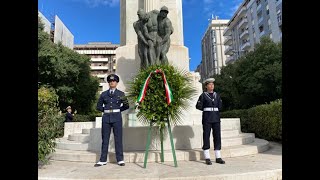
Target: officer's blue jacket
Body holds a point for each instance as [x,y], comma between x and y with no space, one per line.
[110,102]
[206,101]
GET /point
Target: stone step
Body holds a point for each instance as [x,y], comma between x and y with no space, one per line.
[80,142]
[84,138]
[243,138]
[85,131]
[229,133]
[259,145]
[64,143]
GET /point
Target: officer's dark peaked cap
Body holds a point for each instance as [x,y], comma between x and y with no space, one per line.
[112,77]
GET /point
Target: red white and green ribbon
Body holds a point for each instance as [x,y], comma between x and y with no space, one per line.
[143,91]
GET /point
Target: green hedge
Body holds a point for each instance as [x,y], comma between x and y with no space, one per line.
[83,118]
[263,120]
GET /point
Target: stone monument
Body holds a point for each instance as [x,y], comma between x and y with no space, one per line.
[133,47]
[82,140]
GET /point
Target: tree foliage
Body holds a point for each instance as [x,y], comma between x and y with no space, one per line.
[254,79]
[50,123]
[67,72]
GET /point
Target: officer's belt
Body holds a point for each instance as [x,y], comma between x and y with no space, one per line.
[210,109]
[111,110]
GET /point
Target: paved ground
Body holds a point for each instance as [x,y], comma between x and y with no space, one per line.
[267,165]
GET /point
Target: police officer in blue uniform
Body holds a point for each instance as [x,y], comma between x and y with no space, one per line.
[114,102]
[210,103]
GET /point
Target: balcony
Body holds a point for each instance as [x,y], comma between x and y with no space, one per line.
[228,51]
[245,46]
[99,59]
[101,75]
[280,22]
[243,22]
[226,32]
[242,12]
[99,67]
[230,59]
[244,34]
[262,33]
[101,84]
[227,40]
[259,7]
[260,20]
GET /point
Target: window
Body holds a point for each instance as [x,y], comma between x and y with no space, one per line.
[252,22]
[270,35]
[261,28]
[269,24]
[251,10]
[279,15]
[267,7]
[259,14]
[254,35]
[258,2]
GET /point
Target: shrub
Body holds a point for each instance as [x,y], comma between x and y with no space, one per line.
[50,123]
[263,120]
[83,118]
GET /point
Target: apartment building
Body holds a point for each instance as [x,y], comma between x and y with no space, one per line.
[103,59]
[253,20]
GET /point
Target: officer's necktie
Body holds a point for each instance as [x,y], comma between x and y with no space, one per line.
[111,92]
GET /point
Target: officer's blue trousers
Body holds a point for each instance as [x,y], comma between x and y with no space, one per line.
[117,131]
[216,132]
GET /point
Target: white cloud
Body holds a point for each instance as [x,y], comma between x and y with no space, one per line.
[95,3]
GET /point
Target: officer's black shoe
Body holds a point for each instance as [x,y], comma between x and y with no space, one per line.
[220,161]
[208,162]
[121,163]
[98,164]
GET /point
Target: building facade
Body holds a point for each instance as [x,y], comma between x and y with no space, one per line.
[58,31]
[253,20]
[212,47]
[103,59]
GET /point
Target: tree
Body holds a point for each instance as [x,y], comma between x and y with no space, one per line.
[67,72]
[254,79]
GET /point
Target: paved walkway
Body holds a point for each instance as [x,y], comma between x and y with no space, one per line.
[267,165]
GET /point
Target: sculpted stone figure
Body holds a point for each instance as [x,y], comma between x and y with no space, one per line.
[151,35]
[153,30]
[142,42]
[165,29]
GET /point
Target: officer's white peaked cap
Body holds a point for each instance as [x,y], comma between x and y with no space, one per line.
[209,80]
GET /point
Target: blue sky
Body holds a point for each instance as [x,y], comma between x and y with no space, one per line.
[99,20]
